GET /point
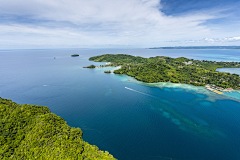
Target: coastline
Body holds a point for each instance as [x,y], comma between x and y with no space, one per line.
[202,86]
[41,134]
[212,96]
[110,116]
[189,88]
[176,70]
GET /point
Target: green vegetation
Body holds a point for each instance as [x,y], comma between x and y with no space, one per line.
[75,55]
[107,71]
[175,70]
[33,132]
[91,66]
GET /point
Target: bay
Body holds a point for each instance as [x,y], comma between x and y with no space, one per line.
[130,119]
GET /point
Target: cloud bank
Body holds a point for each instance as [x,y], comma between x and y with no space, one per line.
[80,23]
[214,40]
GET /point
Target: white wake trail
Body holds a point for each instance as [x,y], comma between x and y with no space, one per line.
[140,92]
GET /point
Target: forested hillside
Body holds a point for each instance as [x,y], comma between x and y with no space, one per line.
[33,132]
[176,70]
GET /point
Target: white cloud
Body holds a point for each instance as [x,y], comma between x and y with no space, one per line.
[99,22]
[82,11]
[215,40]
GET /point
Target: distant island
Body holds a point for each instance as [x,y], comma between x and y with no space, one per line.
[75,55]
[91,66]
[175,70]
[198,47]
[33,132]
[107,71]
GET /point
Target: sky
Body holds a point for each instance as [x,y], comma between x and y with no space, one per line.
[118,23]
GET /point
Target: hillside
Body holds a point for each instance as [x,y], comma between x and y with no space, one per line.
[33,132]
[175,70]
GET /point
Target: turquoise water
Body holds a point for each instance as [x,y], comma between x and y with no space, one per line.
[234,94]
[130,119]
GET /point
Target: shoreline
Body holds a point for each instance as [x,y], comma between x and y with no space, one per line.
[212,96]
[47,132]
[188,88]
[207,89]
[133,65]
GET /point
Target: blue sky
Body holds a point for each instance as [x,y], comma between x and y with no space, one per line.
[118,23]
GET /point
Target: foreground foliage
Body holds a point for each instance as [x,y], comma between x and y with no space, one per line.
[33,132]
[176,70]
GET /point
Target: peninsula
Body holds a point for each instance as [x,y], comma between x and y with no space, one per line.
[33,132]
[175,70]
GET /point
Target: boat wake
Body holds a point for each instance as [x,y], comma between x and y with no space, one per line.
[140,92]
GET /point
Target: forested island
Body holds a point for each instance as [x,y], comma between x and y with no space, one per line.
[33,132]
[175,70]
[91,66]
[75,55]
[107,71]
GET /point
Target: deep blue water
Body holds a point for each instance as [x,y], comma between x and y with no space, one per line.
[142,121]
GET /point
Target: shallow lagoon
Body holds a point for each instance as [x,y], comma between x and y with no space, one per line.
[235,94]
[147,121]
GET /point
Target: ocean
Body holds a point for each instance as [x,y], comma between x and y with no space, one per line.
[130,119]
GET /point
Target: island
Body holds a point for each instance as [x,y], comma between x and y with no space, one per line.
[91,66]
[75,55]
[33,132]
[175,70]
[107,71]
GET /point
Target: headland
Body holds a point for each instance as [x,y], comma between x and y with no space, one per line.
[174,70]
